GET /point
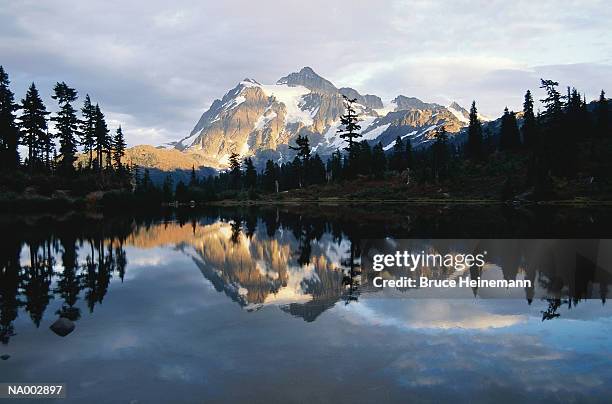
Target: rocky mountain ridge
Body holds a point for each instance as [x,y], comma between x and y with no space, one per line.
[260,121]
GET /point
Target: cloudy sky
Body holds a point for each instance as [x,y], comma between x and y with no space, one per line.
[155,66]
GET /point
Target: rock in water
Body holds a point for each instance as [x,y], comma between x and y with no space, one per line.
[62,327]
[5,357]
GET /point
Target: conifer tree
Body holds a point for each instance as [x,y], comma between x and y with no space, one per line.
[553,103]
[88,128]
[316,172]
[603,116]
[33,124]
[362,164]
[193,178]
[235,173]
[349,125]
[474,142]
[66,123]
[250,174]
[397,161]
[408,155]
[335,166]
[556,152]
[167,188]
[440,154]
[270,176]
[146,184]
[529,128]
[302,148]
[119,146]
[9,133]
[102,138]
[379,160]
[510,138]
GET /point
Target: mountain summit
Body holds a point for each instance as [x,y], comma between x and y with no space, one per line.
[261,121]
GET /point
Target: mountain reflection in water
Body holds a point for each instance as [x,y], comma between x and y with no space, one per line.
[176,272]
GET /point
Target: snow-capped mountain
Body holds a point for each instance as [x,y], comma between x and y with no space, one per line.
[260,120]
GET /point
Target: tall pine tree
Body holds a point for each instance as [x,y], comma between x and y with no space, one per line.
[118,148]
[33,125]
[88,128]
[270,176]
[474,142]
[302,147]
[397,161]
[529,129]
[440,154]
[379,160]
[250,174]
[603,116]
[102,138]
[9,133]
[66,123]
[235,173]
[349,125]
[510,138]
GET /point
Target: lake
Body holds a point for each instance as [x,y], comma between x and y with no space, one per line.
[261,305]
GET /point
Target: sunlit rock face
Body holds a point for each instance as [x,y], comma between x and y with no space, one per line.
[255,269]
[258,264]
[260,121]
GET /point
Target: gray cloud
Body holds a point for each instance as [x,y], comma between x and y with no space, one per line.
[155,66]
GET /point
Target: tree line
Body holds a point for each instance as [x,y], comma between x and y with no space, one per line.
[27,123]
[549,139]
[568,135]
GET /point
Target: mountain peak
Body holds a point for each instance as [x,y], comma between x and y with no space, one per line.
[410,103]
[308,78]
[455,105]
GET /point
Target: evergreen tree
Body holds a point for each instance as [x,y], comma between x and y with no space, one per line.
[9,133]
[167,188]
[193,179]
[270,176]
[294,174]
[349,125]
[553,103]
[335,166]
[363,162]
[603,116]
[66,123]
[379,160]
[33,124]
[250,174]
[302,148]
[103,142]
[529,122]
[88,128]
[316,173]
[119,146]
[556,151]
[510,138]
[146,184]
[440,154]
[303,153]
[235,173]
[408,155]
[474,142]
[576,117]
[397,161]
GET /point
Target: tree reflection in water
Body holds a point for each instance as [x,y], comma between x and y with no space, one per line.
[301,263]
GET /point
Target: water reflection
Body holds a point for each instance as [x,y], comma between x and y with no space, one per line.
[272,305]
[303,265]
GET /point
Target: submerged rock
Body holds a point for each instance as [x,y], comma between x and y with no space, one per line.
[62,327]
[5,357]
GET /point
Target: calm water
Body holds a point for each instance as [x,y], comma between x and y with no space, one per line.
[257,306]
